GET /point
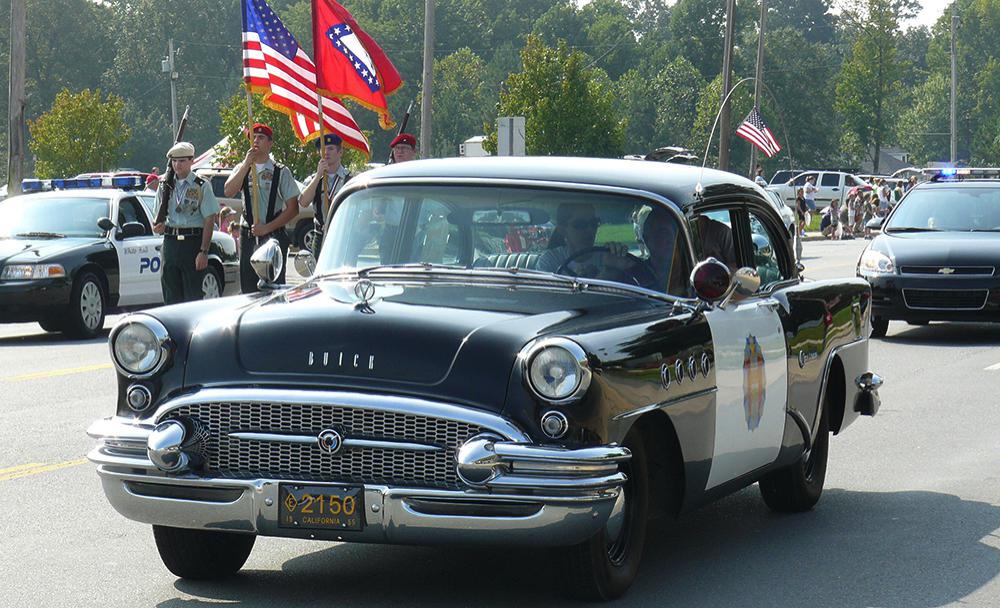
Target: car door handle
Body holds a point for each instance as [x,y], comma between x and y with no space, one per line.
[836,189]
[769,304]
[158,247]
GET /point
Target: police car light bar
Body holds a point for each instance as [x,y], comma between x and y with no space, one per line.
[125,182]
[960,173]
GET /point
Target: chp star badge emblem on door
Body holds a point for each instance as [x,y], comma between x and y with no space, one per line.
[753,382]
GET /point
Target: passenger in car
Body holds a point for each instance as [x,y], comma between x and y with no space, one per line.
[575,233]
[716,241]
[659,236]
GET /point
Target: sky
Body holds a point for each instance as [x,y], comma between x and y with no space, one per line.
[931,10]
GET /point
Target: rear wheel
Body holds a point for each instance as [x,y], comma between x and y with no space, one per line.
[202,554]
[798,487]
[879,327]
[211,283]
[86,307]
[603,567]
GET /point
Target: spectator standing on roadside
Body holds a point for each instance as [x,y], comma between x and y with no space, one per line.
[267,207]
[831,221]
[882,193]
[809,191]
[152,182]
[759,177]
[802,211]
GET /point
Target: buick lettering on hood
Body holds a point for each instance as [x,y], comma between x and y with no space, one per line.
[536,351]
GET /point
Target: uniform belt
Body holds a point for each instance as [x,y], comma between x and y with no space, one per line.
[182,231]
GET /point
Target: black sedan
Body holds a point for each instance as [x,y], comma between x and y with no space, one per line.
[69,257]
[539,351]
[937,256]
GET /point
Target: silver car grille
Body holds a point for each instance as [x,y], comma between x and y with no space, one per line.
[231,457]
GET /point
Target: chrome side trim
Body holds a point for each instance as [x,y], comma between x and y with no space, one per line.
[347,442]
[659,406]
[405,405]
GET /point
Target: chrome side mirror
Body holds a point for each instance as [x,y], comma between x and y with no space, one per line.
[268,262]
[711,280]
[305,263]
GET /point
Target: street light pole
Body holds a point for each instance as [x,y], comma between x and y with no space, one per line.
[15,100]
[954,91]
[428,84]
[727,56]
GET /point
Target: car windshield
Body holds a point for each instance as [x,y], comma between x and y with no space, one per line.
[948,210]
[572,233]
[36,216]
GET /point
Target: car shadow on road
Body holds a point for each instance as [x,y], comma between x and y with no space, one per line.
[953,335]
[43,337]
[910,549]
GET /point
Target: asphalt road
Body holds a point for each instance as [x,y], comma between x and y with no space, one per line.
[910,516]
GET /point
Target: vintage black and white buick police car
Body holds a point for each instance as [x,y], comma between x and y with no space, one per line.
[539,351]
[85,247]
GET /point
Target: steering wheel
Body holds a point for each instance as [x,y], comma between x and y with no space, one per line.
[639,272]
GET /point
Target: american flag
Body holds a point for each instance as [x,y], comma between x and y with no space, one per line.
[756,132]
[276,66]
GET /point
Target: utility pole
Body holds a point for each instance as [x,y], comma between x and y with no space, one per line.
[428,84]
[15,100]
[954,90]
[759,79]
[727,56]
[167,67]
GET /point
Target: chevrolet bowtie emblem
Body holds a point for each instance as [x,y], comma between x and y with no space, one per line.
[946,270]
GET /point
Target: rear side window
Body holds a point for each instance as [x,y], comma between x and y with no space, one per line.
[830,180]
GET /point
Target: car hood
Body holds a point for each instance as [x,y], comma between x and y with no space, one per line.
[458,342]
[26,251]
[941,249]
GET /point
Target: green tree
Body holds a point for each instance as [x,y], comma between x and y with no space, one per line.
[461,104]
[287,149]
[569,109]
[709,102]
[697,29]
[986,114]
[869,83]
[82,132]
[923,126]
[661,108]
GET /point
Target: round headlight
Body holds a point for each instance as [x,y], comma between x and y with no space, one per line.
[139,347]
[557,370]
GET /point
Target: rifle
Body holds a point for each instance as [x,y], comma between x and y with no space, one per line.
[402,127]
[168,175]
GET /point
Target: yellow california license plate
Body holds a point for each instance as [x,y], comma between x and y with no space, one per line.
[320,507]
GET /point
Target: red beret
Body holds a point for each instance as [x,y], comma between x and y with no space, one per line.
[259,127]
[404,138]
[152,177]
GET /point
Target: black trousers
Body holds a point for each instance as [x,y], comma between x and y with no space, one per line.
[249,244]
[179,279]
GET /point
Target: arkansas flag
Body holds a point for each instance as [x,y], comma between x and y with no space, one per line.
[348,61]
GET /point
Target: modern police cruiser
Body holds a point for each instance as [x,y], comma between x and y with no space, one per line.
[74,250]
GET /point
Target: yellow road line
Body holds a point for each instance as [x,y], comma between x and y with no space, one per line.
[59,372]
[36,468]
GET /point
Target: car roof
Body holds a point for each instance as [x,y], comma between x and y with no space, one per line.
[962,183]
[675,182]
[76,193]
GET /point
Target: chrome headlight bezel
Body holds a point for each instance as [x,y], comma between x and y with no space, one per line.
[529,356]
[32,272]
[160,342]
[875,263]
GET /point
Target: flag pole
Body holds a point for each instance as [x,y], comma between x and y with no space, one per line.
[254,193]
[322,152]
[758,78]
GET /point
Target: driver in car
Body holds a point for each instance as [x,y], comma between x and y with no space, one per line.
[571,247]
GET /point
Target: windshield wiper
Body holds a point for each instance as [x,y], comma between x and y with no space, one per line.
[911,229]
[42,235]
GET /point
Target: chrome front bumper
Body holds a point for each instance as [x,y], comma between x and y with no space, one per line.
[518,493]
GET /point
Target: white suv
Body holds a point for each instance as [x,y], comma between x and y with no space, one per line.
[833,185]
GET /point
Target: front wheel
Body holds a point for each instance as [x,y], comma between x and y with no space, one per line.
[798,487]
[86,307]
[201,554]
[879,327]
[603,567]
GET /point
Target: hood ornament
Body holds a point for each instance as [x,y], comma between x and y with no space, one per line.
[364,290]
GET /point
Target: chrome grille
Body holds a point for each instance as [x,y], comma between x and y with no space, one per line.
[986,271]
[248,459]
[945,299]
